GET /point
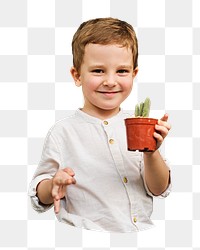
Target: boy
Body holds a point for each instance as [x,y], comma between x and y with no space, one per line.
[86,171]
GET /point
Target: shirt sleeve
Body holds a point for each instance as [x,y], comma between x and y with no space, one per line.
[48,166]
[168,189]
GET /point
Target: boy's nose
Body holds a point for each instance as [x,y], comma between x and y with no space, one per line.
[110,81]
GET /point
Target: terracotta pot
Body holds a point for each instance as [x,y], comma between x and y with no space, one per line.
[139,132]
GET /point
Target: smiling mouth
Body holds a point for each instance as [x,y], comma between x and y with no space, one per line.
[109,92]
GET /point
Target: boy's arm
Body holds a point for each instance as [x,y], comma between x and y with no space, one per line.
[44,191]
[157,175]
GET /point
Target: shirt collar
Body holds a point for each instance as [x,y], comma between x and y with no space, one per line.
[91,119]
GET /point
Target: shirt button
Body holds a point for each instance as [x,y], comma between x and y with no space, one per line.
[134,219]
[111,141]
[105,122]
[125,180]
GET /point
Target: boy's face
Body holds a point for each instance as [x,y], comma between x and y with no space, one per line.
[106,77]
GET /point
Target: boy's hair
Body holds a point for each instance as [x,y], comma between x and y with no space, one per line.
[103,31]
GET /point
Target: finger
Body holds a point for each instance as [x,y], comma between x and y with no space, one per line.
[70,181]
[69,171]
[162,130]
[56,206]
[55,192]
[59,182]
[73,181]
[163,124]
[165,118]
[158,137]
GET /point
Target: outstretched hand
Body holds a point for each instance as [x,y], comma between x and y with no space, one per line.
[60,181]
[162,130]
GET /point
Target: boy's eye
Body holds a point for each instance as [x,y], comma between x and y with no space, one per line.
[98,71]
[122,71]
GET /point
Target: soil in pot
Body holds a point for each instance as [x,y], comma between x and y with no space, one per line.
[139,132]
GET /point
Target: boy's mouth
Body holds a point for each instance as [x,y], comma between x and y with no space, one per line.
[109,92]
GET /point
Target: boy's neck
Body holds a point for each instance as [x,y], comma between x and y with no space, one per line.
[101,114]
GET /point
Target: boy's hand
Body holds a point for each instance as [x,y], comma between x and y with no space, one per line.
[162,130]
[60,181]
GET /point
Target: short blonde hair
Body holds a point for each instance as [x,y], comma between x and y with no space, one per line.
[103,31]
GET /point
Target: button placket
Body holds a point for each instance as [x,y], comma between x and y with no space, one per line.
[119,163]
[116,153]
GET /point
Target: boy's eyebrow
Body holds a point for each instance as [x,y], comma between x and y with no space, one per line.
[126,66]
[96,66]
[118,66]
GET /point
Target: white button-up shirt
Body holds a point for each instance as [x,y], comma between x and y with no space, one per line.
[110,193]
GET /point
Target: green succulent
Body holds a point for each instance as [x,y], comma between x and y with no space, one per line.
[143,109]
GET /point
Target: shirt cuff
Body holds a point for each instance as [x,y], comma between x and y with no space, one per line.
[32,193]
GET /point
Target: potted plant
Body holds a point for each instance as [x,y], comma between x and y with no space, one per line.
[140,129]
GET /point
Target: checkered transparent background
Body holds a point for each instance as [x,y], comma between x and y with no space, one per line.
[36,89]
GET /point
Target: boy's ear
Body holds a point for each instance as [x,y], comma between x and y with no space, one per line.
[135,71]
[76,76]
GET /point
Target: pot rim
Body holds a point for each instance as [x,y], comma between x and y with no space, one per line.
[142,120]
